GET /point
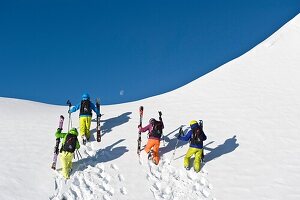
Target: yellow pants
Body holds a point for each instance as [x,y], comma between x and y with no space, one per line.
[198,154]
[85,124]
[66,163]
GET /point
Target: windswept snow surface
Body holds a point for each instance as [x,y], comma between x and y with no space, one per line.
[250,108]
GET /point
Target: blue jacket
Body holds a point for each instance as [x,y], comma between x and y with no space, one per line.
[93,107]
[188,136]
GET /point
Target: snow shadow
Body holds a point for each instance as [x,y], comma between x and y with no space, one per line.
[167,144]
[227,147]
[108,124]
[102,155]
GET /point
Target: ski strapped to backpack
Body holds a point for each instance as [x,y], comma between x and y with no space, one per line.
[56,148]
[141,111]
[160,119]
[98,128]
[201,126]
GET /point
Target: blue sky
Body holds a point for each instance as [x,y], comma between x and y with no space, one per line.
[121,51]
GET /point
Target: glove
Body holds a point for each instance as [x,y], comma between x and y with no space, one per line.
[99,115]
[69,111]
[139,126]
[159,113]
[58,130]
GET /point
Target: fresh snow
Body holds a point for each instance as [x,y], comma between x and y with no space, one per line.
[250,108]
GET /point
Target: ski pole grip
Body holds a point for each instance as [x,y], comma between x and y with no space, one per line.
[69,103]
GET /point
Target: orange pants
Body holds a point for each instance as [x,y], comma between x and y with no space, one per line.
[154,144]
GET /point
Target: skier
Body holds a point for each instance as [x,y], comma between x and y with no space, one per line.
[196,136]
[154,129]
[69,145]
[85,116]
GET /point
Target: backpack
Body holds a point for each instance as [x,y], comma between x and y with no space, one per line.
[85,107]
[157,129]
[198,135]
[70,143]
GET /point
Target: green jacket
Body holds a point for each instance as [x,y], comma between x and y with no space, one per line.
[59,134]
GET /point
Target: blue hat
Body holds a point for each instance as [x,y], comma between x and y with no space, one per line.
[85,96]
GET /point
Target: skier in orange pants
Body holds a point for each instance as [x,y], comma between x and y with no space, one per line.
[155,131]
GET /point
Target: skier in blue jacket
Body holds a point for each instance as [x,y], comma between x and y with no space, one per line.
[85,115]
[196,136]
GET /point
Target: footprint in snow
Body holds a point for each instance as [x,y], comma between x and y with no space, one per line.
[91,183]
[123,190]
[170,183]
[121,177]
[115,167]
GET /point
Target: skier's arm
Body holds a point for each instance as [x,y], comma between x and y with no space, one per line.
[75,108]
[94,108]
[77,145]
[146,128]
[59,134]
[186,137]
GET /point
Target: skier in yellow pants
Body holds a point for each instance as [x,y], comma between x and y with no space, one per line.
[69,145]
[85,116]
[198,154]
[196,136]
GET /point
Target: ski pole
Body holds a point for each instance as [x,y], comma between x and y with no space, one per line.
[76,154]
[79,153]
[173,155]
[70,120]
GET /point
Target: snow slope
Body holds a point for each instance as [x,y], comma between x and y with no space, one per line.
[250,108]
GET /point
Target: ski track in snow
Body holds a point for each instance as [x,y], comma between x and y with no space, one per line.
[91,180]
[169,183]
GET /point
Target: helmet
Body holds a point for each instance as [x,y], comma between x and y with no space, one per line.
[85,96]
[151,121]
[73,131]
[194,124]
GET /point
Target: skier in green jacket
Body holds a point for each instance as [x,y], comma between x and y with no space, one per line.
[69,145]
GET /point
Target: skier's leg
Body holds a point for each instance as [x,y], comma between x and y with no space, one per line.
[188,155]
[88,126]
[69,158]
[156,152]
[82,122]
[149,145]
[197,161]
[64,164]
